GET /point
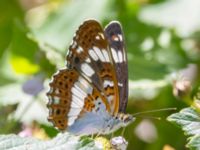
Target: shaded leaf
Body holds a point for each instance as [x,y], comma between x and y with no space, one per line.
[8,125]
[9,10]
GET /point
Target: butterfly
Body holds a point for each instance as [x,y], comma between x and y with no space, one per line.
[90,95]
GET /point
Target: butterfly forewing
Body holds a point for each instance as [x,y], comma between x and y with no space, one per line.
[90,55]
[115,37]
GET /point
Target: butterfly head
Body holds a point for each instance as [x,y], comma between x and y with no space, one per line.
[114,123]
[125,119]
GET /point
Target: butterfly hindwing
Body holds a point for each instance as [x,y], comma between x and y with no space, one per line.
[60,97]
[71,96]
[114,34]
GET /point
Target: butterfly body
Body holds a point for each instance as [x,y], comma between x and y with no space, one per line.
[102,123]
[90,95]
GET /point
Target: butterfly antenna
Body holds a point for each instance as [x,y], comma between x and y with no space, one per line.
[149,117]
[152,111]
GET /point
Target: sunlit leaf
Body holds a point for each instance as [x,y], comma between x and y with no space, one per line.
[62,141]
[23,51]
[59,27]
[188,119]
[194,143]
[23,66]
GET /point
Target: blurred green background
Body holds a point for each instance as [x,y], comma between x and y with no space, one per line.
[163,46]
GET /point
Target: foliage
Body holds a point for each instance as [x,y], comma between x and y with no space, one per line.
[189,120]
[60,142]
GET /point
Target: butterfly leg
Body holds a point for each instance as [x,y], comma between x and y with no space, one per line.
[98,134]
[123,131]
[92,136]
[112,135]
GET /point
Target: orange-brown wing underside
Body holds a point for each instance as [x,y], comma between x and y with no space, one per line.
[70,96]
[90,55]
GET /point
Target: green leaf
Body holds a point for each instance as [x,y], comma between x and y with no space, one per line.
[23,66]
[58,28]
[188,119]
[194,143]
[23,51]
[9,10]
[8,125]
[62,141]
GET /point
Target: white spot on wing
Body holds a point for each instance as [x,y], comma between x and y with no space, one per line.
[115,38]
[87,69]
[99,53]
[89,90]
[88,60]
[97,37]
[74,104]
[69,53]
[120,56]
[105,53]
[120,84]
[83,82]
[80,89]
[93,55]
[71,120]
[50,90]
[86,89]
[108,83]
[120,37]
[74,112]
[50,99]
[56,100]
[74,44]
[78,93]
[114,54]
[50,111]
[79,49]
[77,102]
[110,98]
[56,91]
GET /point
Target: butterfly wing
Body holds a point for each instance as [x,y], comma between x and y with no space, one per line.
[114,34]
[71,97]
[90,55]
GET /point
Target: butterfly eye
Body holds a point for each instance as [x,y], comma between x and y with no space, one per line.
[127,119]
